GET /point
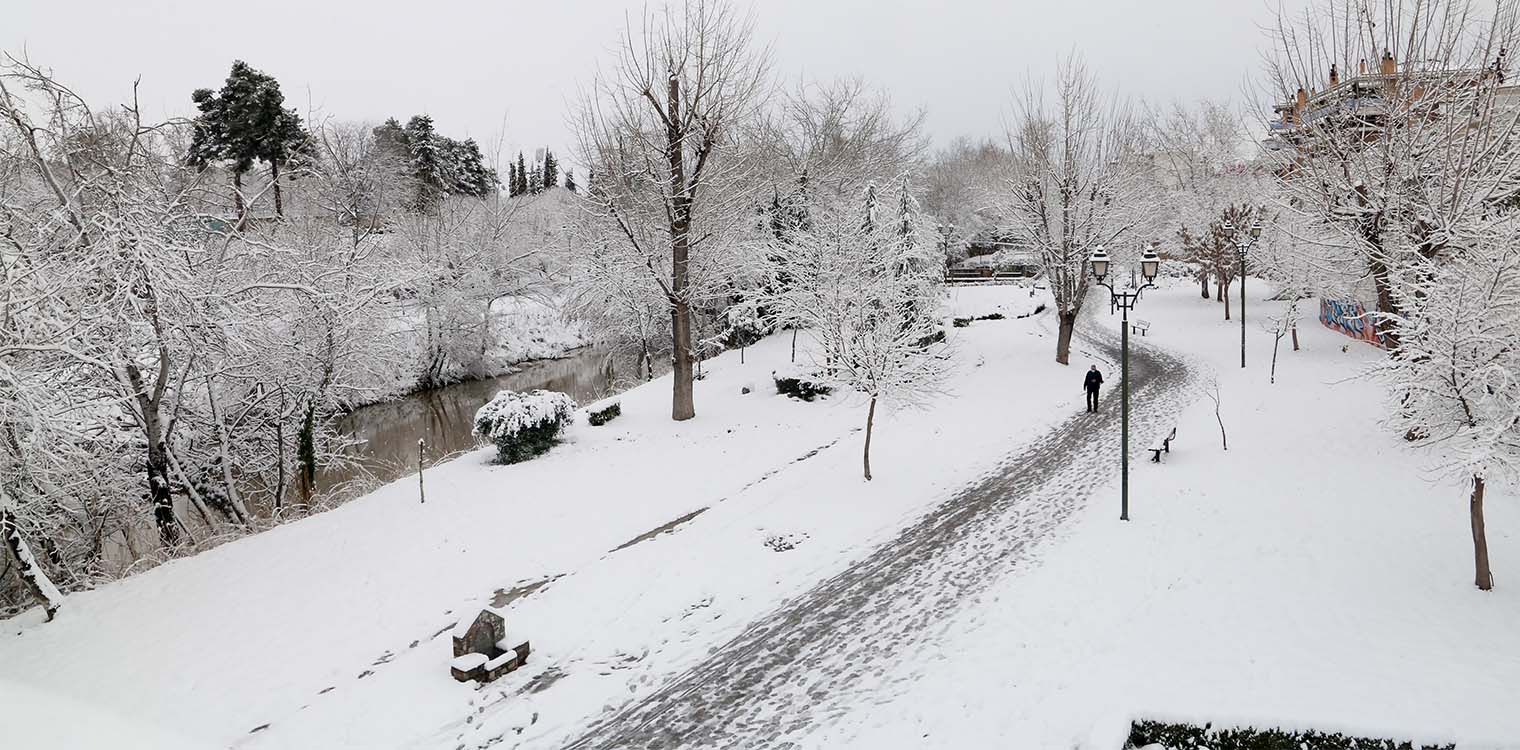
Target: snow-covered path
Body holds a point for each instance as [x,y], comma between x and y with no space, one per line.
[821,652]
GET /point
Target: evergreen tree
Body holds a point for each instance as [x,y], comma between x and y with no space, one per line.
[391,138]
[522,175]
[551,170]
[570,180]
[426,159]
[511,179]
[244,123]
[536,179]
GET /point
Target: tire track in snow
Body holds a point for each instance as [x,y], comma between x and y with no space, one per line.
[809,660]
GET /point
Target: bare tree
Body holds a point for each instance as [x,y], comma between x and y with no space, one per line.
[660,132]
[1073,185]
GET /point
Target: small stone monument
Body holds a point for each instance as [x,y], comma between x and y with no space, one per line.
[482,649]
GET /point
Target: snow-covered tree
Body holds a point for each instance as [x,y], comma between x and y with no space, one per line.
[864,286]
[1407,137]
[1074,184]
[661,131]
[247,122]
[1455,377]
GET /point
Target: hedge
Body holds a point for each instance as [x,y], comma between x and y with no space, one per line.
[1208,737]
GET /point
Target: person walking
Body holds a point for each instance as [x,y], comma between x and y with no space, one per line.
[1091,384]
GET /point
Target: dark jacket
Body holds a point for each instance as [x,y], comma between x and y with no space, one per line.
[1094,379]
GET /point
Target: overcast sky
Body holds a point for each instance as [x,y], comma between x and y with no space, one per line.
[506,69]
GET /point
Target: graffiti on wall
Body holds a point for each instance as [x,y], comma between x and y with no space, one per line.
[1349,317]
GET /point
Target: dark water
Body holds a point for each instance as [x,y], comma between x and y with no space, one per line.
[388,432]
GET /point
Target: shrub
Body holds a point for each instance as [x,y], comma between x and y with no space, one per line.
[523,425]
[961,322]
[603,416]
[1193,737]
[800,386]
[990,316]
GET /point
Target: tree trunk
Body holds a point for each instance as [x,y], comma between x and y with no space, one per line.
[194,494]
[274,180]
[1386,304]
[794,345]
[159,495]
[306,455]
[224,455]
[1226,303]
[1203,281]
[1485,577]
[237,197]
[681,405]
[1219,288]
[1277,340]
[1295,337]
[870,423]
[1063,339]
[32,574]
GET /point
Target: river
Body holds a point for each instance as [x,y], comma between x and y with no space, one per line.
[387,432]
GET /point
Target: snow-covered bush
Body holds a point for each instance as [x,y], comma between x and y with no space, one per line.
[523,425]
[799,385]
[603,416]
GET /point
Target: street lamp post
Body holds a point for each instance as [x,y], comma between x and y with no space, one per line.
[1125,299]
[1243,238]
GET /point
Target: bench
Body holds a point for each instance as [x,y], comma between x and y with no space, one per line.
[1163,443]
[1140,327]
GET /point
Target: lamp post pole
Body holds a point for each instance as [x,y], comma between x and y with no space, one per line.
[1124,300]
[1242,252]
[1243,238]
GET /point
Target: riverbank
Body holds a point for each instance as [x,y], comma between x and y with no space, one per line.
[305,609]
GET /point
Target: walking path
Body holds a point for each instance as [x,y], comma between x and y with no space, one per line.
[815,656]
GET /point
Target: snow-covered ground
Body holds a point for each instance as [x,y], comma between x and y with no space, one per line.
[1309,575]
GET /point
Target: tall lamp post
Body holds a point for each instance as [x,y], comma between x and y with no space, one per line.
[1125,299]
[1243,238]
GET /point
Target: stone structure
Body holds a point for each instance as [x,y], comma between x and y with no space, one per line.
[483,651]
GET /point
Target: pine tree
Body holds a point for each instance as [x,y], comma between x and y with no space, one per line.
[570,180]
[511,179]
[522,175]
[244,123]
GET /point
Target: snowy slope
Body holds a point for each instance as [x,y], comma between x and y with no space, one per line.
[327,625]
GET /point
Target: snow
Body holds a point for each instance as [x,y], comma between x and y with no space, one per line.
[1308,576]
[32,717]
[506,656]
[467,662]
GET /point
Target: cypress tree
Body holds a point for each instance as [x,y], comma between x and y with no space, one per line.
[551,170]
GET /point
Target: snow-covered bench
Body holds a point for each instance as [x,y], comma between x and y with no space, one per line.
[1163,444]
[1140,327]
